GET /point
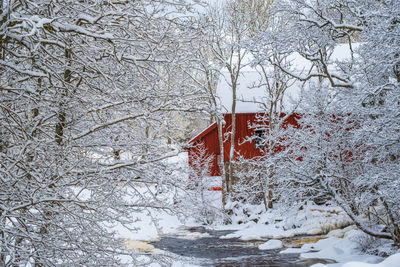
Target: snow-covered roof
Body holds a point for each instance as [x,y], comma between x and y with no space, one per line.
[250,92]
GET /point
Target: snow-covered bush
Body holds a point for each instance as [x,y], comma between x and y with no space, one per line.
[374,246]
[202,202]
[251,183]
[241,212]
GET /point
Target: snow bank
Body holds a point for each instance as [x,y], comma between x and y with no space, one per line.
[339,240]
[271,244]
[339,249]
[196,235]
[183,264]
[259,232]
[294,250]
[341,233]
[392,261]
[280,223]
[138,245]
[147,225]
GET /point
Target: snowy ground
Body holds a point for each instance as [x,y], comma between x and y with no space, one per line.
[337,238]
[332,236]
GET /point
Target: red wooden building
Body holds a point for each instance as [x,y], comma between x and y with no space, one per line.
[244,130]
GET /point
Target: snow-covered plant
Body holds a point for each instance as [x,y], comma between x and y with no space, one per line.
[85,86]
[200,168]
[228,24]
[348,145]
[374,246]
[202,202]
[251,183]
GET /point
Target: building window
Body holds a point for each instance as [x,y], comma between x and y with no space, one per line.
[260,138]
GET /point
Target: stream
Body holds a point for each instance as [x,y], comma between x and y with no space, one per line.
[210,250]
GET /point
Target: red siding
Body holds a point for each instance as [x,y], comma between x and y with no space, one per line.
[209,138]
[245,149]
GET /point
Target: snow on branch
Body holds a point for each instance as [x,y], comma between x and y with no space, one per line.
[22,71]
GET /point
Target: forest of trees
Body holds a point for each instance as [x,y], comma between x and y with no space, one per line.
[90,91]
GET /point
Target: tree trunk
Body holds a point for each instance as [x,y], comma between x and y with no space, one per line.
[60,126]
[225,184]
[233,131]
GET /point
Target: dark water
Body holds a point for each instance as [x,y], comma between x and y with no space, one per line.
[213,251]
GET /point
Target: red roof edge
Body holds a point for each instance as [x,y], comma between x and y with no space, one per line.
[203,133]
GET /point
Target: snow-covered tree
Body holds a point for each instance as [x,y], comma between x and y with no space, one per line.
[377,96]
[229,23]
[80,82]
[348,145]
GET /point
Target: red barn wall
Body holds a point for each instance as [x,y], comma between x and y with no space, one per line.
[209,138]
[244,131]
